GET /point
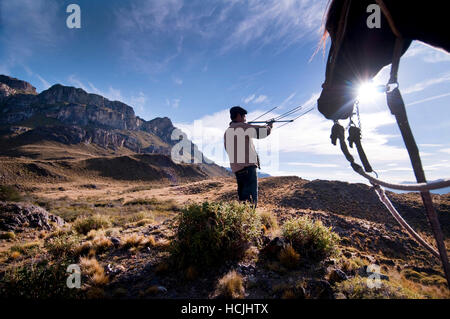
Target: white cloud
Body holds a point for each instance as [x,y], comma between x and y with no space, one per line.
[45,84]
[439,96]
[283,21]
[307,138]
[427,83]
[78,84]
[139,101]
[427,53]
[177,81]
[260,99]
[249,99]
[255,99]
[445,150]
[151,33]
[175,103]
[319,165]
[431,145]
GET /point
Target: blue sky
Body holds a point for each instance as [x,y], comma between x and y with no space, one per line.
[191,60]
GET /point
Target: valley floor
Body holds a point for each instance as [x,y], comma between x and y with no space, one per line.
[131,252]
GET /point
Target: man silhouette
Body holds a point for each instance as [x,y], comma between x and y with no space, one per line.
[242,154]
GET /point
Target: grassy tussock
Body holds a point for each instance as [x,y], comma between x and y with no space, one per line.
[231,286]
[7,235]
[358,288]
[94,271]
[209,233]
[138,241]
[9,194]
[268,220]
[289,258]
[424,278]
[311,238]
[351,265]
[42,280]
[83,225]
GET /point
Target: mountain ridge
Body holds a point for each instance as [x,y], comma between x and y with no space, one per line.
[70,116]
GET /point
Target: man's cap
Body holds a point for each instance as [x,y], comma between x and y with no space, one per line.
[235,110]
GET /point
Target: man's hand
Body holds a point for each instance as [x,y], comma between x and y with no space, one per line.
[270,123]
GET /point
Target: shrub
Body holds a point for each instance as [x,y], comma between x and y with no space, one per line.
[311,238]
[37,281]
[358,288]
[27,249]
[85,224]
[9,193]
[289,257]
[231,286]
[63,245]
[208,233]
[7,235]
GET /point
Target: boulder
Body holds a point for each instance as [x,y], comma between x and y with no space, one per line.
[337,275]
[14,216]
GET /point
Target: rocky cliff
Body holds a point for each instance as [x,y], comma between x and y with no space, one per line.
[71,116]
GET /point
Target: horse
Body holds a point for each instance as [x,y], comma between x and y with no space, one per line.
[365,51]
[358,51]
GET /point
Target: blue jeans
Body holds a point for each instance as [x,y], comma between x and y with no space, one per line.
[247,181]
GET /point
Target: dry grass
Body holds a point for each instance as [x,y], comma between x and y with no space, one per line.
[7,235]
[138,241]
[268,220]
[84,225]
[95,272]
[289,257]
[15,255]
[231,286]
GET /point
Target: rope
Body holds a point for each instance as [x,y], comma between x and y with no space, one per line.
[385,200]
[290,112]
[420,187]
[297,117]
[265,113]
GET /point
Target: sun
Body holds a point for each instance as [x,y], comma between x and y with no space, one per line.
[367,92]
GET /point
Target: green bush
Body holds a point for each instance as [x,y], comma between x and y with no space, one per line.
[37,281]
[7,235]
[62,245]
[358,288]
[9,193]
[83,225]
[311,238]
[209,233]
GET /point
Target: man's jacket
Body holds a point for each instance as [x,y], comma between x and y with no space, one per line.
[239,146]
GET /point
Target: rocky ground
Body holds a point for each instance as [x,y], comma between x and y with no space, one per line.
[133,253]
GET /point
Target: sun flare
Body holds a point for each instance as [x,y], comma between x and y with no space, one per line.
[367,92]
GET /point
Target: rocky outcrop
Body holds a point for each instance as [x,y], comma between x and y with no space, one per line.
[161,127]
[18,85]
[15,216]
